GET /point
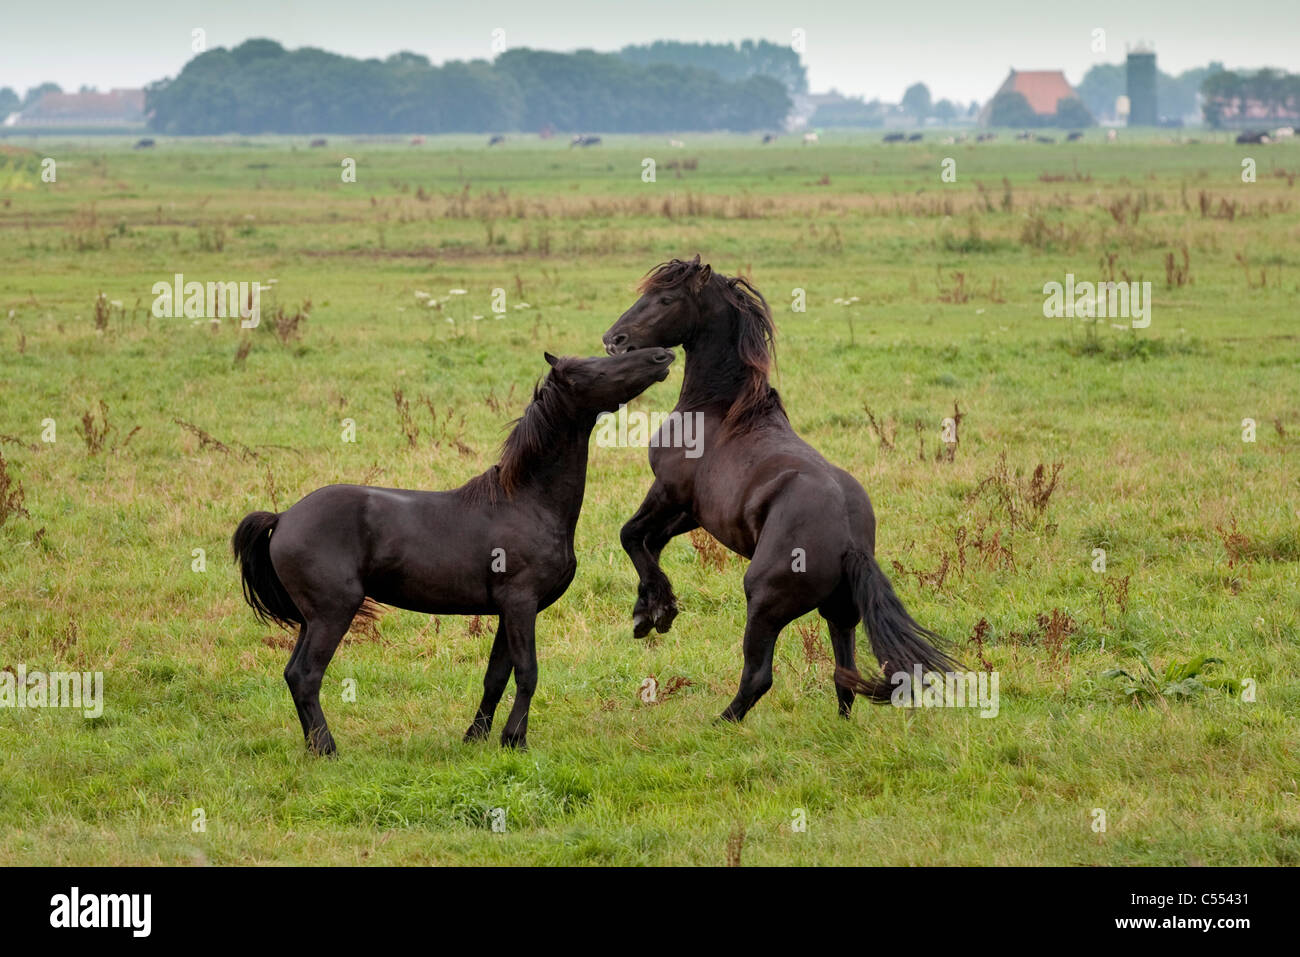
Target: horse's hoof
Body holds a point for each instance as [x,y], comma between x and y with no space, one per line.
[653,618]
[642,625]
[322,746]
[476,732]
[519,743]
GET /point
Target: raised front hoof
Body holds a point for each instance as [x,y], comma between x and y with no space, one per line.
[516,742]
[641,626]
[321,744]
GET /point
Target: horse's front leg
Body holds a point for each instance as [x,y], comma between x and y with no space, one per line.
[494,684]
[520,621]
[656,522]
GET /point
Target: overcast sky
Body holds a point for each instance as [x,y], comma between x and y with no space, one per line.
[961,50]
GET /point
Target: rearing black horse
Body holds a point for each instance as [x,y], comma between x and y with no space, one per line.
[758,488]
[502,544]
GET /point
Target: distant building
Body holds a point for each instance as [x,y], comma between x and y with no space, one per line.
[1141,87]
[117,108]
[1042,89]
[804,105]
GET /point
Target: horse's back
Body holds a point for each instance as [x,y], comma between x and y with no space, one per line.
[749,477]
[392,543]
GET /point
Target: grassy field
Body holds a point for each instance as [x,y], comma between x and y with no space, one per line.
[168,430]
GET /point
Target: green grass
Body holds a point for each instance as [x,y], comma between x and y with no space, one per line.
[1199,527]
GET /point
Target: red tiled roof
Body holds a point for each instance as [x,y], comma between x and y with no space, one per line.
[116,104]
[1042,88]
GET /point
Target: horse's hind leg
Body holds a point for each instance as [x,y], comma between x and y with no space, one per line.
[776,594]
[843,641]
[317,643]
[761,631]
[842,622]
[494,684]
[292,668]
[771,607]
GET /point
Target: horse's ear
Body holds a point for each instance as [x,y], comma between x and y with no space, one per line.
[701,277]
[551,360]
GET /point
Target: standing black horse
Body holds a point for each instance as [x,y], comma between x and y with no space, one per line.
[502,544]
[758,488]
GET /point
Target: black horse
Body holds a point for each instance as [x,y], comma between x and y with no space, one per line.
[502,544]
[762,491]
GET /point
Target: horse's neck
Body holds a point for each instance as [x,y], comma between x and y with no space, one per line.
[714,373]
[557,476]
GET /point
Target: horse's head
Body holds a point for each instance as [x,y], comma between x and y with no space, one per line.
[668,312]
[686,303]
[603,383]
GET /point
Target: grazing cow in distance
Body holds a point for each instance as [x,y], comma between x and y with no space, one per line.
[496,140]
[1045,139]
[319,141]
[1254,136]
[809,138]
[1284,132]
[1023,135]
[914,138]
[986,137]
[144,144]
[677,144]
[1111,136]
[417,140]
[1076,135]
[894,137]
[769,138]
[581,140]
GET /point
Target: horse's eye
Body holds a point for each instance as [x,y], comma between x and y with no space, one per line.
[665,301]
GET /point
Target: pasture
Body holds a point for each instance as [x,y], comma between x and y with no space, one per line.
[924,301]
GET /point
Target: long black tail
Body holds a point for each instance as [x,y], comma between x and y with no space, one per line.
[897,641]
[262,588]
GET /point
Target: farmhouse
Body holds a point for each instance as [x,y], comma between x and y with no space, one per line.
[116,108]
[1042,89]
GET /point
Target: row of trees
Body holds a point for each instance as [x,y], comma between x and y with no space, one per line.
[1226,98]
[259,87]
[1223,97]
[728,60]
[10,102]
[1176,96]
[1011,109]
[916,105]
[1240,99]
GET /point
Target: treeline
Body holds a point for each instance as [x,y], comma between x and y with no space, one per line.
[1176,95]
[728,60]
[1011,109]
[260,87]
[10,102]
[1243,99]
[916,106]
